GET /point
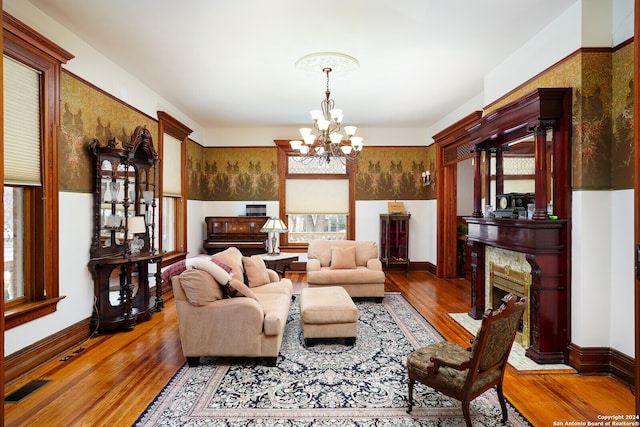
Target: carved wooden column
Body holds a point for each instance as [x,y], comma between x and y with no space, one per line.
[540,131]
[499,175]
[477,184]
[477,279]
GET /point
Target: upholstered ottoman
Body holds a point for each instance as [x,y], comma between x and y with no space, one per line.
[328,312]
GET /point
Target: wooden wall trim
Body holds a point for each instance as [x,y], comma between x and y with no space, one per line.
[449,139]
[602,360]
[30,357]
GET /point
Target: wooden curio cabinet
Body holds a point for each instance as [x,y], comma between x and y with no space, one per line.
[123,246]
[394,240]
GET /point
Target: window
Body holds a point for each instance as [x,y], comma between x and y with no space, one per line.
[31,81]
[318,199]
[173,206]
[317,209]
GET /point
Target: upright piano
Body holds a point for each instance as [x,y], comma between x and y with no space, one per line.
[242,232]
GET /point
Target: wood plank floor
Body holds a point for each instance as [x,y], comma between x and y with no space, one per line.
[117,375]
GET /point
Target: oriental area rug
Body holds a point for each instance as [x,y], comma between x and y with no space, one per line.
[328,384]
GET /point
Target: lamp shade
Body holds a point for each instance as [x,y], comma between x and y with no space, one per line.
[136,225]
[275,225]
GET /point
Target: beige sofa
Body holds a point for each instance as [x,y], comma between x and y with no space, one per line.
[249,324]
[354,265]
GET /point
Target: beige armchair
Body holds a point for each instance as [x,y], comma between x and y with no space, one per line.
[354,265]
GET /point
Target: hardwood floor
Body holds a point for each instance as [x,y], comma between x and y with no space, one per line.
[117,375]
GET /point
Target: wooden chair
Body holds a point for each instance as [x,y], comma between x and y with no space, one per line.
[465,374]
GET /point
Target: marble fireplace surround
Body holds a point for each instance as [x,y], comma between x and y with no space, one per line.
[508,272]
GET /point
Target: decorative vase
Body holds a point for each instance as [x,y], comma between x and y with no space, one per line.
[114,188]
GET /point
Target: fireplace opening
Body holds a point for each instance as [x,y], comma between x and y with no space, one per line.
[502,281]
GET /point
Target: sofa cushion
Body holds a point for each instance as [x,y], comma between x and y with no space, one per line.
[359,275]
[256,271]
[217,272]
[200,287]
[237,288]
[233,258]
[343,258]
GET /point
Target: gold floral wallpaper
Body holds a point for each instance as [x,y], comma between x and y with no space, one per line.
[602,113]
[245,174]
[89,113]
[233,174]
[394,173]
[602,139]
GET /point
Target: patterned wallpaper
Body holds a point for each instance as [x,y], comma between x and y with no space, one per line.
[240,174]
[602,140]
[89,113]
[394,173]
[602,137]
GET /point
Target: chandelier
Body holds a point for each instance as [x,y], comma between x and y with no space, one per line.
[325,142]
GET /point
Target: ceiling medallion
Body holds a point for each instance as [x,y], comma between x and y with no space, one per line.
[338,62]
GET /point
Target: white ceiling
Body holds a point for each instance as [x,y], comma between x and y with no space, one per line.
[231,63]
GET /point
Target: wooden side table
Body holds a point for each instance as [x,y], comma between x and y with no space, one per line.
[279,263]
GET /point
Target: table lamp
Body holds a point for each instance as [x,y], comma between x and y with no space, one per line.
[136,225]
[275,226]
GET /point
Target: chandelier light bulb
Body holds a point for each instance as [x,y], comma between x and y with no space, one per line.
[309,139]
[336,138]
[323,124]
[295,144]
[346,149]
[304,149]
[336,115]
[350,130]
[304,132]
[316,115]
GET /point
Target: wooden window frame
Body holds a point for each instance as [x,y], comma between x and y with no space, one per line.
[42,291]
[284,152]
[170,126]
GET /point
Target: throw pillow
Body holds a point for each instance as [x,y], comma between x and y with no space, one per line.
[173,270]
[236,288]
[343,258]
[217,272]
[256,271]
[226,267]
[233,258]
[199,287]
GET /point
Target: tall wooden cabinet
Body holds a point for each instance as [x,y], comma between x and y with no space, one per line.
[124,232]
[394,240]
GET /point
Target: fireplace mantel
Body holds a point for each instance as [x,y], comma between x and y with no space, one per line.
[543,243]
[526,236]
[544,117]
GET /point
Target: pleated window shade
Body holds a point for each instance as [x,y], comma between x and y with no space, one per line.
[172,176]
[21,124]
[317,196]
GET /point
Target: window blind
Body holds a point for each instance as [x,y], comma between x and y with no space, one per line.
[317,196]
[21,123]
[171,170]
